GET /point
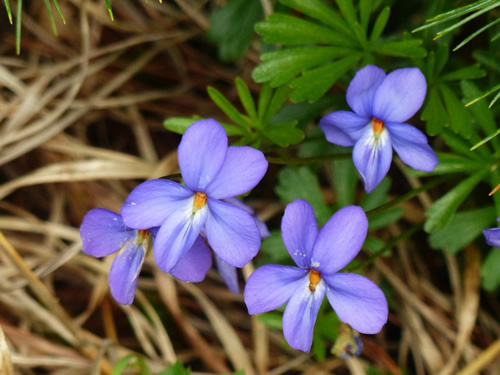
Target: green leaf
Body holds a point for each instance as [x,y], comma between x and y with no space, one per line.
[9,11]
[460,120]
[434,112]
[280,96]
[18,25]
[176,369]
[442,211]
[282,66]
[180,124]
[463,228]
[51,16]
[61,15]
[301,182]
[378,196]
[365,9]
[402,48]
[385,218]
[313,84]
[459,144]
[476,33]
[122,364]
[246,98]
[272,320]
[264,98]
[345,179]
[285,134]
[320,11]
[231,27]
[226,107]
[348,11]
[483,95]
[273,249]
[284,29]
[380,24]
[485,140]
[452,163]
[469,72]
[489,271]
[110,11]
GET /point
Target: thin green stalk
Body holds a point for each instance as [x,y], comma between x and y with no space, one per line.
[56,4]
[18,26]
[110,11]
[9,12]
[314,159]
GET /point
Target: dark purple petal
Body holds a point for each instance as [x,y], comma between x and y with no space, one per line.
[343,128]
[228,274]
[411,146]
[194,265]
[242,170]
[492,237]
[340,240]
[177,234]
[400,95]
[357,301]
[201,153]
[372,157]
[361,90]
[103,232]
[271,286]
[300,315]
[299,231]
[232,233]
[149,204]
[124,273]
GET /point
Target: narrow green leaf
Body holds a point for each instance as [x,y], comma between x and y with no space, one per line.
[305,113]
[469,72]
[9,11]
[497,96]
[402,48]
[301,182]
[61,15]
[232,27]
[476,33]
[226,107]
[313,84]
[246,98]
[485,140]
[285,134]
[122,364]
[280,96]
[459,144]
[272,320]
[110,11]
[463,228]
[365,9]
[378,196]
[282,66]
[345,179]
[320,11]
[380,24]
[434,112]
[51,17]
[442,54]
[284,29]
[442,211]
[452,163]
[180,124]
[383,219]
[460,120]
[273,249]
[264,99]
[18,25]
[176,369]
[489,271]
[484,95]
[348,11]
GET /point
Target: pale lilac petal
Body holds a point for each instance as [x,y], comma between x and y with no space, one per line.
[201,153]
[264,232]
[372,157]
[242,170]
[232,233]
[343,128]
[400,95]
[194,265]
[299,231]
[124,273]
[300,315]
[271,286]
[361,90]
[149,204]
[357,301]
[492,237]
[411,146]
[103,232]
[340,240]
[177,234]
[228,274]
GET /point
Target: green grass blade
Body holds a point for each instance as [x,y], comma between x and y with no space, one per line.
[9,12]
[473,35]
[110,11]
[490,91]
[484,140]
[56,4]
[51,17]
[18,26]
[497,96]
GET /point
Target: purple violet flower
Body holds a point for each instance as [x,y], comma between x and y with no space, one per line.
[104,233]
[492,236]
[212,172]
[319,256]
[381,104]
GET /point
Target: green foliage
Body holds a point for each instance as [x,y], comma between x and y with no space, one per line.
[489,271]
[231,27]
[135,361]
[176,369]
[321,47]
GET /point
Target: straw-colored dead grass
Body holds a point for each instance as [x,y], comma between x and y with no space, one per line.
[80,124]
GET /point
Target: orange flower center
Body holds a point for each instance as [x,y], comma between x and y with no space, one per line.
[314,279]
[199,201]
[378,126]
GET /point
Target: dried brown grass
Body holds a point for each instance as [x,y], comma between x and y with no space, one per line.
[80,123]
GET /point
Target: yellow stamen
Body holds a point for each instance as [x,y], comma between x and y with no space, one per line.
[378,126]
[314,279]
[199,201]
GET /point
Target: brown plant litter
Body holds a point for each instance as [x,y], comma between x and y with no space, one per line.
[80,125]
